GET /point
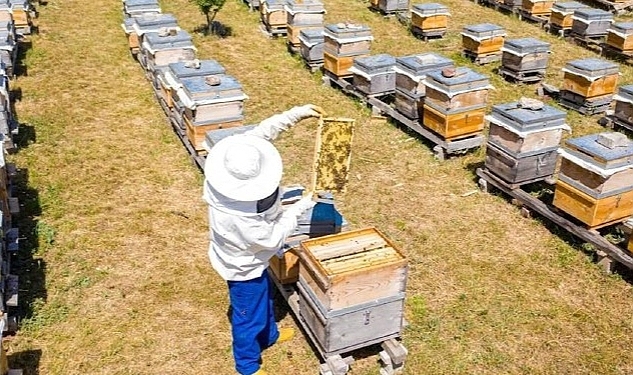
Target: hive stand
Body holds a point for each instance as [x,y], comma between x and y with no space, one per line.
[541,20]
[615,54]
[612,122]
[526,76]
[273,31]
[482,58]
[607,253]
[593,43]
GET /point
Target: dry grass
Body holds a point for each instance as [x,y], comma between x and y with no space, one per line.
[114,270]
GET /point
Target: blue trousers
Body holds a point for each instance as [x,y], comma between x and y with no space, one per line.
[253,323]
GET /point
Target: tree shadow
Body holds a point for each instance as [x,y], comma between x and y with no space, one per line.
[216,28]
[28,361]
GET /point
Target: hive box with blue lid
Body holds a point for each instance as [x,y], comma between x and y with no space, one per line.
[312,42]
[137,27]
[8,51]
[591,77]
[525,54]
[21,12]
[451,89]
[273,13]
[455,123]
[429,16]
[374,75]
[562,12]
[391,6]
[483,38]
[304,12]
[347,39]
[595,182]
[624,104]
[591,22]
[170,75]
[620,36]
[163,48]
[136,8]
[538,8]
[412,69]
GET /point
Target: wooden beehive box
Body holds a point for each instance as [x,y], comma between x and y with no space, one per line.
[162,49]
[344,40]
[454,89]
[305,12]
[591,22]
[453,124]
[562,13]
[624,104]
[620,36]
[516,170]
[172,74]
[312,42]
[273,13]
[136,8]
[391,6]
[21,11]
[525,54]
[332,155]
[294,32]
[147,23]
[374,75]
[483,38]
[412,69]
[595,182]
[429,16]
[409,106]
[591,77]
[339,65]
[538,7]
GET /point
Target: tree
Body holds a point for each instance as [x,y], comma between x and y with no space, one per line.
[210,9]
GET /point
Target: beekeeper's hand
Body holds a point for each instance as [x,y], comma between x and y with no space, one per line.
[302,205]
[299,113]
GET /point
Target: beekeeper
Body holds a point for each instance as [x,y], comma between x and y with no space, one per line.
[248,226]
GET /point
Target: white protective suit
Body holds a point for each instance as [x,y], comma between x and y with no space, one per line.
[242,240]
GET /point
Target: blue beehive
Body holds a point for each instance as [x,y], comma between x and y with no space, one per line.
[312,42]
[374,74]
[590,22]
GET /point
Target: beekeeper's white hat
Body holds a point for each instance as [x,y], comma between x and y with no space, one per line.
[243,168]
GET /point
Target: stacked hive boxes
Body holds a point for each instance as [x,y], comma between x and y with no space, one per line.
[620,37]
[135,8]
[624,105]
[455,102]
[8,47]
[136,27]
[165,47]
[274,17]
[343,43]
[8,125]
[374,75]
[410,74]
[312,42]
[302,15]
[590,23]
[589,85]
[538,8]
[523,140]
[351,289]
[483,42]
[429,20]
[595,182]
[525,60]
[561,17]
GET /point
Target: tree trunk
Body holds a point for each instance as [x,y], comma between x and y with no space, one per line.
[209,19]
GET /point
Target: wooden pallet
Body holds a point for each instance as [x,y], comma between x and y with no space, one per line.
[528,76]
[607,252]
[593,43]
[540,19]
[273,31]
[561,32]
[482,58]
[583,109]
[612,122]
[613,53]
[425,35]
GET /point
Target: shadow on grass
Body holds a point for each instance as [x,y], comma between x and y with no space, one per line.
[20,69]
[28,361]
[217,28]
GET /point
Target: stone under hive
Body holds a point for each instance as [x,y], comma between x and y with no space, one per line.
[274,16]
[591,23]
[136,8]
[136,27]
[169,77]
[429,19]
[483,40]
[589,85]
[312,44]
[410,73]
[454,106]
[525,59]
[343,43]
[165,47]
[624,104]
[595,182]
[523,140]
[620,37]
[374,75]
[303,15]
[351,289]
[210,102]
[561,16]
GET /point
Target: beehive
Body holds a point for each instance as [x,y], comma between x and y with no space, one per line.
[483,38]
[273,14]
[312,42]
[624,104]
[374,75]
[343,43]
[392,6]
[305,12]
[160,49]
[539,8]
[21,13]
[595,183]
[591,22]
[294,33]
[525,54]
[411,71]
[455,89]
[8,52]
[171,75]
[136,27]
[620,36]
[455,123]
[351,288]
[562,12]
[591,77]
[429,17]
[136,8]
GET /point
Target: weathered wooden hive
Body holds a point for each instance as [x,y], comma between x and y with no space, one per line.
[170,76]
[620,37]
[390,6]
[538,8]
[136,8]
[342,44]
[523,140]
[410,73]
[312,42]
[595,182]
[166,47]
[273,15]
[525,59]
[303,15]
[589,84]
[483,38]
[513,4]
[21,13]
[624,104]
[8,52]
[136,27]
[351,289]
[429,19]
[211,102]
[562,13]
[591,22]
[374,75]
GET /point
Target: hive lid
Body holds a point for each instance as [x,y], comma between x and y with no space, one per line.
[484,30]
[374,62]
[592,67]
[314,35]
[182,69]
[524,118]
[464,79]
[423,63]
[154,39]
[276,4]
[199,89]
[568,7]
[312,6]
[623,27]
[430,8]
[589,149]
[625,93]
[153,20]
[348,30]
[593,14]
[140,3]
[526,45]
